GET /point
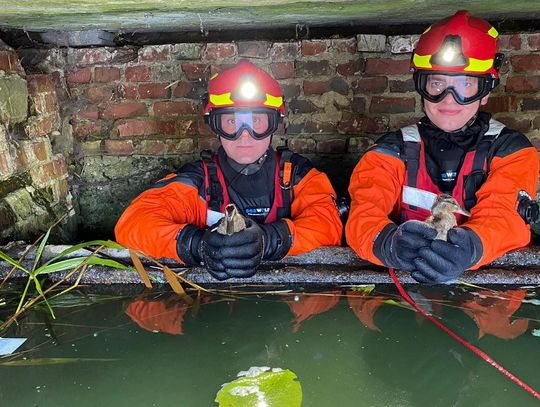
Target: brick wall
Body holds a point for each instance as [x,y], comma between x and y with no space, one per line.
[33,180]
[135,113]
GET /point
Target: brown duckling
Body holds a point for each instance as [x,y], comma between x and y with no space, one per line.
[232,222]
[442,216]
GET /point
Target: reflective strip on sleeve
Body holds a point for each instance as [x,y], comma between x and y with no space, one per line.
[418,197]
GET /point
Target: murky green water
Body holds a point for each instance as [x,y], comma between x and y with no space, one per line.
[347,348]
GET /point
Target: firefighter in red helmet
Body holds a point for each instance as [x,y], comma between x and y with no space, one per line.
[456,149]
[289,205]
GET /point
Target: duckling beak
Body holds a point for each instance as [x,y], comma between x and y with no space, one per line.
[462,212]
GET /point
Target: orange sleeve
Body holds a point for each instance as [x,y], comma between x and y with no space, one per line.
[494,217]
[375,187]
[315,220]
[152,221]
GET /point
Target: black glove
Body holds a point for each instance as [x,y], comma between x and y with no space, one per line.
[187,245]
[445,261]
[277,240]
[398,246]
[237,255]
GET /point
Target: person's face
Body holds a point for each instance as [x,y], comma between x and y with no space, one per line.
[448,115]
[245,149]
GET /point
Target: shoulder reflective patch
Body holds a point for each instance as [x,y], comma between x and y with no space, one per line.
[418,197]
[495,128]
[410,133]
[212,217]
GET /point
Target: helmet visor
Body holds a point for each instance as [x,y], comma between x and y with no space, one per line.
[464,88]
[230,123]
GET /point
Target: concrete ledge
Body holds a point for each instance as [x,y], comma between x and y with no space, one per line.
[322,267]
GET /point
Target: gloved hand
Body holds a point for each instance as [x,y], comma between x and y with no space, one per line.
[277,240]
[398,246]
[444,262]
[237,255]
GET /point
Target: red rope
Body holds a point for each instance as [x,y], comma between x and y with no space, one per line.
[471,347]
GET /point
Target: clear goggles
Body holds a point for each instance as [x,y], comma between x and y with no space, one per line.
[464,88]
[231,122]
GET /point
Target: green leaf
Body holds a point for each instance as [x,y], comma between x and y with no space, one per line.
[60,265]
[278,388]
[14,263]
[39,251]
[84,245]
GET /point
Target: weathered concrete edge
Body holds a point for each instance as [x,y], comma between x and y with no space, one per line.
[321,267]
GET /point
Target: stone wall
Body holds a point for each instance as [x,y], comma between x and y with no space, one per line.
[34,189]
[128,115]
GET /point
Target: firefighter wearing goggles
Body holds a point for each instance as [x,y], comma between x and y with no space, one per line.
[455,149]
[289,205]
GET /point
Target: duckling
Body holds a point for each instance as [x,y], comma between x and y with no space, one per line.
[442,216]
[232,222]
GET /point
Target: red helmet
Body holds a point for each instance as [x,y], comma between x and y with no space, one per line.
[460,44]
[244,85]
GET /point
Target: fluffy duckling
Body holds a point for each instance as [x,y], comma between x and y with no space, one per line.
[232,222]
[442,216]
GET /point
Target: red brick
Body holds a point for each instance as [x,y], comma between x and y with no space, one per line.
[359,124]
[82,130]
[313,47]
[154,53]
[380,104]
[534,41]
[43,174]
[99,94]
[525,63]
[40,151]
[151,147]
[183,146]
[195,72]
[253,49]
[9,62]
[87,112]
[523,84]
[131,92]
[41,83]
[5,159]
[204,129]
[182,89]
[376,84]
[215,51]
[174,108]
[536,122]
[282,70]
[536,142]
[387,66]
[154,91]
[83,75]
[138,73]
[123,110]
[42,126]
[119,147]
[142,127]
[167,127]
[333,146]
[510,42]
[316,87]
[208,143]
[91,56]
[106,74]
[344,45]
[398,122]
[302,145]
[350,68]
[46,103]
[530,104]
[498,104]
[60,166]
[281,51]
[516,123]
[215,68]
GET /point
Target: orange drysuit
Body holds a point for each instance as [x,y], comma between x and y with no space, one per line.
[153,220]
[378,181]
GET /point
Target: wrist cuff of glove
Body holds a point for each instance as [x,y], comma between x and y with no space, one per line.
[382,246]
[187,245]
[277,240]
[478,247]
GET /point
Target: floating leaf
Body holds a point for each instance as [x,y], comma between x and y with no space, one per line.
[140,268]
[261,386]
[365,288]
